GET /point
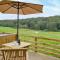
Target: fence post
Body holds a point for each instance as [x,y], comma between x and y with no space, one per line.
[36,44]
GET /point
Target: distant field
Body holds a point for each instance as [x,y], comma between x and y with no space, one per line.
[28,32]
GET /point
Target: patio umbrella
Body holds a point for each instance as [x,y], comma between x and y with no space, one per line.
[16,7]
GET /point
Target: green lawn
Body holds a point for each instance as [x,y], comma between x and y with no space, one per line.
[28,32]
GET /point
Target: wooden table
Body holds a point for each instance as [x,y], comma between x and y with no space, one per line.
[15,45]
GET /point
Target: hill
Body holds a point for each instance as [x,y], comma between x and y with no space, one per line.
[41,23]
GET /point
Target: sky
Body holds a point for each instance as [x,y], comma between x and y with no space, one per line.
[51,8]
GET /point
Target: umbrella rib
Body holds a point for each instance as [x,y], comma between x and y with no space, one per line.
[6,9]
[32,8]
[22,11]
[19,5]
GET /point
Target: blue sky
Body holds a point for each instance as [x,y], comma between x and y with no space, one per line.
[51,8]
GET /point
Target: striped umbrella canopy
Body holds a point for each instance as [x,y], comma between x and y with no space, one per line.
[16,7]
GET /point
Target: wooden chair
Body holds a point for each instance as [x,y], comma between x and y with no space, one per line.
[14,54]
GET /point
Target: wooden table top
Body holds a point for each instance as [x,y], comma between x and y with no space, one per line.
[15,44]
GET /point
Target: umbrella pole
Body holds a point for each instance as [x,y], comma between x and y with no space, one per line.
[18,25]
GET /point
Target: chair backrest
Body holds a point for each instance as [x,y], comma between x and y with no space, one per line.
[14,54]
[7,38]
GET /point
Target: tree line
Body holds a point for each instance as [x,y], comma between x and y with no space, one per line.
[40,23]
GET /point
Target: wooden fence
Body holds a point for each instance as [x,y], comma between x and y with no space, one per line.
[44,45]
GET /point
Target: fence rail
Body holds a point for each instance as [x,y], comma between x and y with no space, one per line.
[44,45]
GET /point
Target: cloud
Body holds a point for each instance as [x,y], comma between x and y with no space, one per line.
[52,7]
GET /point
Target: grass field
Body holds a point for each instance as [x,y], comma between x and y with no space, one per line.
[28,32]
[25,33]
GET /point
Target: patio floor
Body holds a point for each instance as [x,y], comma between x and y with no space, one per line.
[36,56]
